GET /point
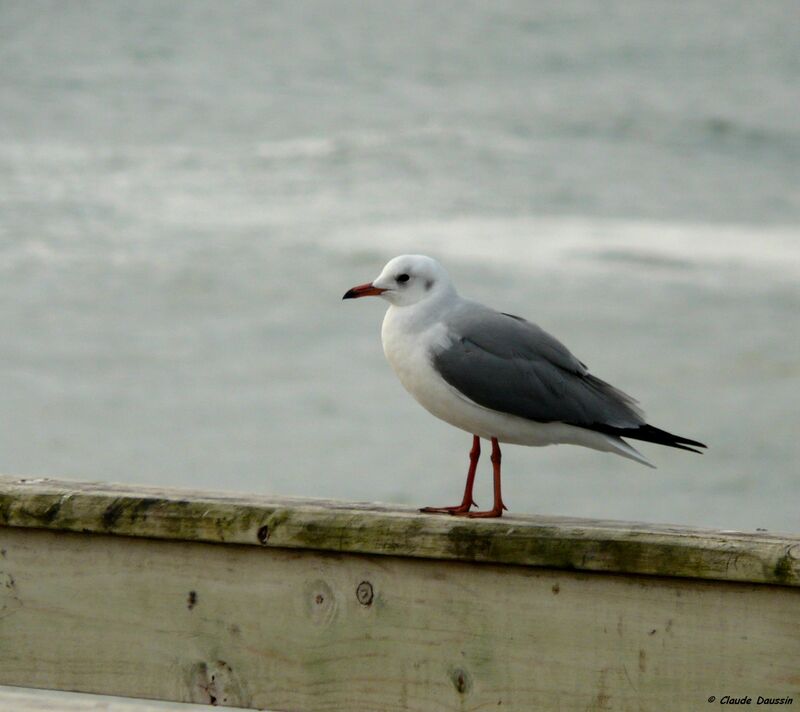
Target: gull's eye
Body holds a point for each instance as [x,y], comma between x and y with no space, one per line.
[402,278]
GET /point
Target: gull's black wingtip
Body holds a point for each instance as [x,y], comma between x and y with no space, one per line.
[684,447]
[681,443]
[651,434]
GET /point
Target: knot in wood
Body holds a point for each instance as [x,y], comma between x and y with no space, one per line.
[461,680]
[263,534]
[364,593]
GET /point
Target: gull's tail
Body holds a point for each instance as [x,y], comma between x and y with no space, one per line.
[620,447]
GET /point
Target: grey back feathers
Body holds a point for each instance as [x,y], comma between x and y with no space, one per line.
[512,366]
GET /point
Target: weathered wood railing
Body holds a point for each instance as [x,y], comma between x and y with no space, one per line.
[292,604]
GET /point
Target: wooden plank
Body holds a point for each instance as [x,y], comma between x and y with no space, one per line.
[269,522]
[21,699]
[317,631]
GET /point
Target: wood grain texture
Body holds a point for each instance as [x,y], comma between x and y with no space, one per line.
[269,522]
[292,630]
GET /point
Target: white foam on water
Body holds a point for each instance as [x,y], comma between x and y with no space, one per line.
[297,148]
[585,243]
[363,140]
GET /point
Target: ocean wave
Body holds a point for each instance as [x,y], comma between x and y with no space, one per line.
[409,137]
[587,243]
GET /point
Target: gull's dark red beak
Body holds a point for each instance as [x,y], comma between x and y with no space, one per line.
[363,290]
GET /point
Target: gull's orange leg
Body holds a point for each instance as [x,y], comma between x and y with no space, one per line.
[467,501]
[497,509]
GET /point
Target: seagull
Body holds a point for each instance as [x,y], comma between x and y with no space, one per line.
[497,376]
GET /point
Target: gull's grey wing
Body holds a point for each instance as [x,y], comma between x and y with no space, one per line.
[510,365]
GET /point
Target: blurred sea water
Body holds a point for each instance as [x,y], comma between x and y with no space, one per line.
[188,188]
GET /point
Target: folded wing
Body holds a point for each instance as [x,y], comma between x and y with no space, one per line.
[510,365]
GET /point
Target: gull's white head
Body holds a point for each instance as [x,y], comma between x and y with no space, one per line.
[406,280]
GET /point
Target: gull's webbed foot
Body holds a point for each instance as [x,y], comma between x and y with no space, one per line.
[457,510]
